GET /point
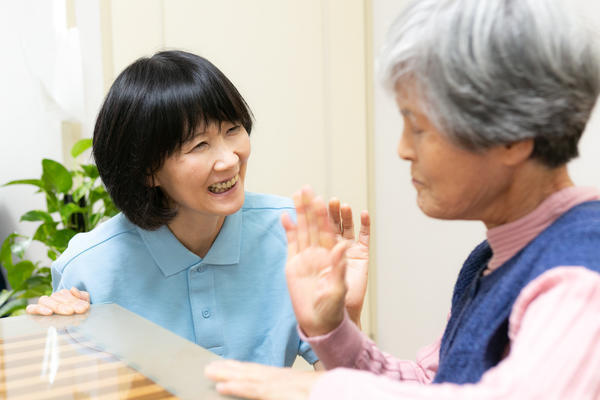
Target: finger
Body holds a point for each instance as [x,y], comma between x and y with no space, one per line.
[334,215]
[347,222]
[224,370]
[80,294]
[67,299]
[302,239]
[311,222]
[56,306]
[72,298]
[241,388]
[291,234]
[37,309]
[364,235]
[221,370]
[326,230]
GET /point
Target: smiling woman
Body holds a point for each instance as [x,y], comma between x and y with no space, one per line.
[191,250]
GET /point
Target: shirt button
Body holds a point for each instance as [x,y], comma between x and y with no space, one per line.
[206,313]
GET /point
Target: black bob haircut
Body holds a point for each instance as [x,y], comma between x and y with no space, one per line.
[150,111]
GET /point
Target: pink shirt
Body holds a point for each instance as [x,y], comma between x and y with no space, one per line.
[554,333]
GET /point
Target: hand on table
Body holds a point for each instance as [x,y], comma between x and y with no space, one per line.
[316,266]
[255,381]
[357,255]
[64,302]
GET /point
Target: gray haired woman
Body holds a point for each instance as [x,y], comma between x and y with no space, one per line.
[495,95]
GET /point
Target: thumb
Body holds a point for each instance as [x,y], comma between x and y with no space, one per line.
[338,260]
[291,233]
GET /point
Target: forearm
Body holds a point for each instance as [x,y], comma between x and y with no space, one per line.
[347,347]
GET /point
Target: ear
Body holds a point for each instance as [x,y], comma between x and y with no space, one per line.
[152,181]
[516,153]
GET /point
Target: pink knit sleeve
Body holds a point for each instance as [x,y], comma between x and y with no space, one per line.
[554,332]
[346,346]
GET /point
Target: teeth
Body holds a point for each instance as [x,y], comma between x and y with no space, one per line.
[223,186]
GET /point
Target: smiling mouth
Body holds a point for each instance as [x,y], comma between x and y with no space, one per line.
[223,186]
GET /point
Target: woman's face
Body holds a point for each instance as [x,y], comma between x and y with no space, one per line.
[451,183]
[206,176]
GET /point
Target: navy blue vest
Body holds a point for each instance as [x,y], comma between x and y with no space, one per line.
[476,335]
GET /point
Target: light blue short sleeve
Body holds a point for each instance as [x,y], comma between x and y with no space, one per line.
[307,353]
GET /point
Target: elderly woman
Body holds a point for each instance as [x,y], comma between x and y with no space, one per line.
[495,95]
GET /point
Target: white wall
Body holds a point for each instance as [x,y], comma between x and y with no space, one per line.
[29,119]
[418,258]
[50,74]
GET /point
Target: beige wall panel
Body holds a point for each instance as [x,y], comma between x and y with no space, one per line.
[346,94]
[273,52]
[136,30]
[345,66]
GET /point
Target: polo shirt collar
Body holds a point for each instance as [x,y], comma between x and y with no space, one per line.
[172,257]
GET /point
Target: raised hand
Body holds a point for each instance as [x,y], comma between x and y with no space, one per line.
[64,302]
[357,270]
[316,266]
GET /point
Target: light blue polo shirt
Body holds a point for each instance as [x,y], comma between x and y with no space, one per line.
[233,302]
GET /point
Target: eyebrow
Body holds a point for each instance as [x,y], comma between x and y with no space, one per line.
[199,133]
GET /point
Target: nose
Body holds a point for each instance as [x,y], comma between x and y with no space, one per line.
[226,158]
[405,148]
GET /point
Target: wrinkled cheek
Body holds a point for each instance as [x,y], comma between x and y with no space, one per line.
[433,205]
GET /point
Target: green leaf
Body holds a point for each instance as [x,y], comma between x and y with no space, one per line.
[36,286]
[37,291]
[13,306]
[19,247]
[37,215]
[110,210]
[82,190]
[45,232]
[56,176]
[67,209]
[35,182]
[5,253]
[95,218]
[44,271]
[19,273]
[5,295]
[52,255]
[90,170]
[37,280]
[80,146]
[19,311]
[61,239]
[52,202]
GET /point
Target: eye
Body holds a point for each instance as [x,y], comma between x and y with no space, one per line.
[201,145]
[234,129]
[414,129]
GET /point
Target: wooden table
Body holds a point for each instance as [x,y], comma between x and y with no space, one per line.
[107,353]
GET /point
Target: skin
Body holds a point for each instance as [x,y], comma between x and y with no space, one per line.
[496,186]
[216,154]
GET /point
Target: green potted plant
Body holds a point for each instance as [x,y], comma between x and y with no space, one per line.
[76,201]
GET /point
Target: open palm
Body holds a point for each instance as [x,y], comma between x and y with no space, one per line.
[316,284]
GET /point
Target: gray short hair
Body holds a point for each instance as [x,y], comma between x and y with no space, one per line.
[493,72]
